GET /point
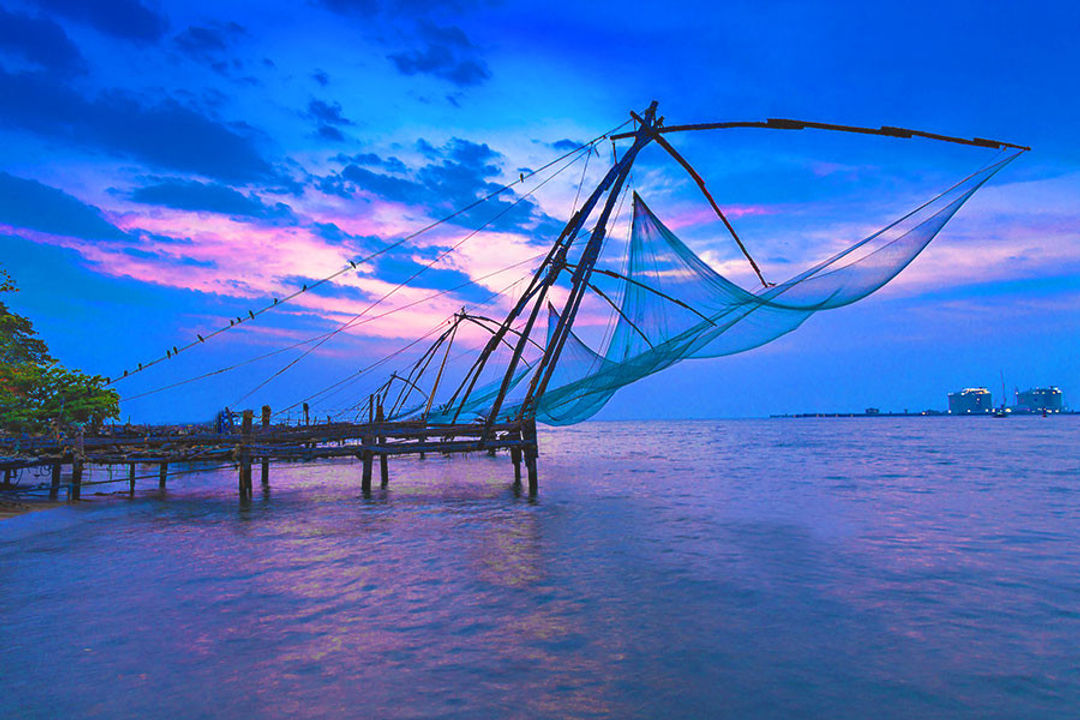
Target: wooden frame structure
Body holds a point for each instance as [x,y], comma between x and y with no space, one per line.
[380,437]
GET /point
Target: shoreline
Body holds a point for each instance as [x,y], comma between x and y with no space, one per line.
[14,508]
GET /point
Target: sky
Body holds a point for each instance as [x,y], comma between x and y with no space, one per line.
[167,167]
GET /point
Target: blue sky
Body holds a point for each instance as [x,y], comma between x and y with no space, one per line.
[165,167]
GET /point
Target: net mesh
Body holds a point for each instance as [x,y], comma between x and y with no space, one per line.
[674,307]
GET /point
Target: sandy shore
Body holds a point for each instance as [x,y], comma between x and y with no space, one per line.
[11,508]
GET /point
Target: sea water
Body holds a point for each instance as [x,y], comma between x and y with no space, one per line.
[812,568]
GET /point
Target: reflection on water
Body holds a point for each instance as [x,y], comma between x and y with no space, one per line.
[814,568]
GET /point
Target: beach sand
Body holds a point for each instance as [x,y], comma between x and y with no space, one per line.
[12,508]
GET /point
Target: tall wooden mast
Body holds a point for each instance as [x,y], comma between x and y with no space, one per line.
[549,271]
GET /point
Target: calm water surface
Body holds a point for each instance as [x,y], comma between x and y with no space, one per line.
[886,568]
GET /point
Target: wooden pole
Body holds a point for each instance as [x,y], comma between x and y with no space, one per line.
[76,478]
[54,488]
[365,481]
[163,471]
[529,433]
[131,479]
[265,460]
[530,465]
[245,454]
[384,471]
[438,376]
[583,272]
[515,456]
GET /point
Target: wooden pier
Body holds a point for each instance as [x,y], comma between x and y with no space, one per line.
[501,394]
[265,444]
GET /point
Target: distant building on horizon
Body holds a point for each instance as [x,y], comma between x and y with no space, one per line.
[1039,400]
[970,401]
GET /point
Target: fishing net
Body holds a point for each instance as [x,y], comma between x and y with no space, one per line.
[673,306]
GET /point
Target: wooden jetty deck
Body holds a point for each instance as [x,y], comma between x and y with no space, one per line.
[264,444]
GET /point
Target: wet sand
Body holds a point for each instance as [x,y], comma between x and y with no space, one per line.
[12,508]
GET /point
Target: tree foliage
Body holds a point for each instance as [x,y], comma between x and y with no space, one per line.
[36,393]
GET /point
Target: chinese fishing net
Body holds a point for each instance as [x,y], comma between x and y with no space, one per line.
[674,307]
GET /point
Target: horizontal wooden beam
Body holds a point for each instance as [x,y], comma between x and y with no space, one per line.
[786,124]
[339,439]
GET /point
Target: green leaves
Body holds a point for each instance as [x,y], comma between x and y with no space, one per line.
[37,394]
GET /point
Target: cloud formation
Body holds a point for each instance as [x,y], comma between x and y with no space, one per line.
[181,194]
[328,119]
[210,44]
[28,204]
[125,19]
[456,175]
[41,42]
[446,53]
[164,134]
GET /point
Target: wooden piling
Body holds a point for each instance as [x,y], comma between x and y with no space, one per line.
[265,460]
[367,455]
[76,478]
[163,472]
[131,479]
[528,432]
[8,473]
[245,454]
[515,456]
[530,466]
[54,487]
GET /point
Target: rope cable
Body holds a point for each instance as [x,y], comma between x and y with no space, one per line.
[405,282]
[352,264]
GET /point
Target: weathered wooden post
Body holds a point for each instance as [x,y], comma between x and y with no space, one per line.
[365,481]
[8,472]
[54,487]
[77,466]
[245,454]
[163,472]
[529,433]
[131,479]
[384,470]
[307,419]
[515,456]
[265,460]
[76,478]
